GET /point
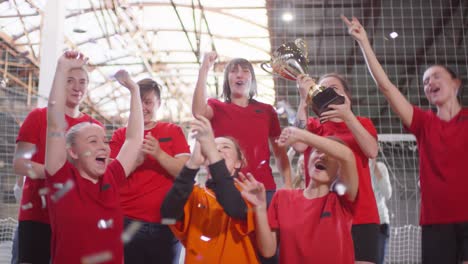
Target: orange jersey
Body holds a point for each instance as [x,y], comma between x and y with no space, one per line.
[210,235]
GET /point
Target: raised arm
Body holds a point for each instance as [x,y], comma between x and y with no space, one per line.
[282,162]
[255,193]
[134,135]
[226,192]
[199,105]
[383,180]
[303,84]
[174,202]
[56,155]
[336,150]
[400,105]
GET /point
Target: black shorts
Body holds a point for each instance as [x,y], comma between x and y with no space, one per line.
[365,239]
[445,243]
[34,242]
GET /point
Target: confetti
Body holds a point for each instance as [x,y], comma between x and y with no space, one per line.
[204,238]
[44,202]
[97,258]
[27,206]
[69,184]
[130,231]
[43,191]
[201,206]
[105,224]
[340,189]
[168,221]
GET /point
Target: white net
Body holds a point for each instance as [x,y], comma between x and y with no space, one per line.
[7,229]
[399,153]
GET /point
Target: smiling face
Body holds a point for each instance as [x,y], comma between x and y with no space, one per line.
[440,86]
[89,149]
[239,80]
[230,152]
[322,168]
[77,82]
[150,104]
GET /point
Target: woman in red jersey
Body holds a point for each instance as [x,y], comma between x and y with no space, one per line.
[360,136]
[442,143]
[311,225]
[85,215]
[235,116]
[34,231]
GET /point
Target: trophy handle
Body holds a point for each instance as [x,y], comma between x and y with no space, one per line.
[265,65]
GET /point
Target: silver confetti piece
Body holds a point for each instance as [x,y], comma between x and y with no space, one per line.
[168,221]
[97,258]
[27,206]
[105,224]
[69,184]
[205,238]
[130,231]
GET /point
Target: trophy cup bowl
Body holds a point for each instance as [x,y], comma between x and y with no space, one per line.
[288,62]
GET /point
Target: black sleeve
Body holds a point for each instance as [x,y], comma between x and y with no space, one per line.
[226,192]
[174,202]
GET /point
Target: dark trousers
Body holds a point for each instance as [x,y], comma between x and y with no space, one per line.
[384,234]
[153,243]
[34,242]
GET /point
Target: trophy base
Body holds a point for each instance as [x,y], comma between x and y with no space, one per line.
[322,100]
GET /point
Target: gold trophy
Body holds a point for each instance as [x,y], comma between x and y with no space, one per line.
[288,62]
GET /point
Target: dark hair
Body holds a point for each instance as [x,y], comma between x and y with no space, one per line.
[342,80]
[244,64]
[148,85]
[453,75]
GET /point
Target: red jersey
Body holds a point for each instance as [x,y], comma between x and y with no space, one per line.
[143,193]
[86,220]
[34,130]
[365,211]
[252,126]
[443,158]
[312,230]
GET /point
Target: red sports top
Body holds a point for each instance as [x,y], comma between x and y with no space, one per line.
[143,193]
[87,220]
[365,211]
[312,230]
[252,127]
[443,160]
[34,130]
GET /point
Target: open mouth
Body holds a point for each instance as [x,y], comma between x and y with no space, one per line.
[101,160]
[435,90]
[240,82]
[320,166]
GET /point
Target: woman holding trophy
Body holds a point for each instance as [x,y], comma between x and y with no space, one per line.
[442,143]
[330,99]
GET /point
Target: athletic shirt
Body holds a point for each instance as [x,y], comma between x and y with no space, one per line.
[143,193]
[209,235]
[34,130]
[86,220]
[252,126]
[443,160]
[312,230]
[365,211]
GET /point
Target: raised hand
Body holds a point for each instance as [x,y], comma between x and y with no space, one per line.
[196,159]
[355,29]
[209,59]
[288,136]
[124,79]
[151,146]
[72,60]
[252,190]
[202,129]
[341,111]
[304,82]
